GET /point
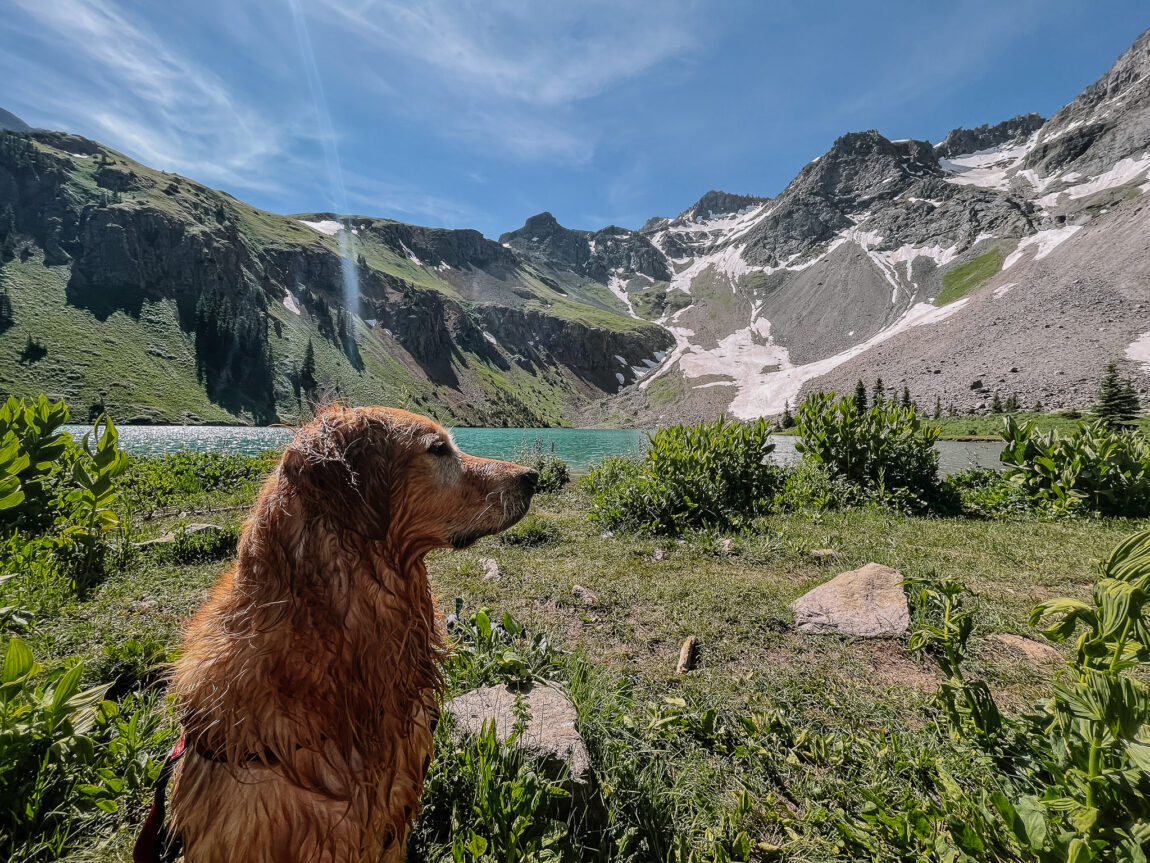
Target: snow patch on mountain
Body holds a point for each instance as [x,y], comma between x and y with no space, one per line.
[291,305]
[1139,351]
[326,226]
[1125,171]
[1046,241]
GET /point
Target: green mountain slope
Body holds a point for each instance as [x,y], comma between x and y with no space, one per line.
[163,300]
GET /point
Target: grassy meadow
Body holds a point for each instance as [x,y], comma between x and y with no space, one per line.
[760,752]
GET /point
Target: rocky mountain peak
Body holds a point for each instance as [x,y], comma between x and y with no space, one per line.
[715,203]
[960,141]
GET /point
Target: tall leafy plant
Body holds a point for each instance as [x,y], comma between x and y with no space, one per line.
[1094,467]
[884,449]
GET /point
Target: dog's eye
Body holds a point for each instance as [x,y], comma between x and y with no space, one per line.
[438,447]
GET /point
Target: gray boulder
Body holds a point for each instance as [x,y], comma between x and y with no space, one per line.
[550,732]
[867,602]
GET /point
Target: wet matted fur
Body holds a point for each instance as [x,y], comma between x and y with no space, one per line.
[307,683]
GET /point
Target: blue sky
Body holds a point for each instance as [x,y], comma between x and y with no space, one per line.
[479,114]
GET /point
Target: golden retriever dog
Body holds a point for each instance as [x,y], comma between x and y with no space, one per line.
[307,683]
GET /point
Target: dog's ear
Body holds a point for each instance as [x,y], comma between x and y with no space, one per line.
[338,464]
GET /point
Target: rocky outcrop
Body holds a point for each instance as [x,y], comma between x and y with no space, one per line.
[593,254]
[591,352]
[1015,130]
[1108,120]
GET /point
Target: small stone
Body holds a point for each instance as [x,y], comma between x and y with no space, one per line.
[607,534]
[584,595]
[825,554]
[659,554]
[976,385]
[725,546]
[1035,651]
[867,602]
[491,569]
[142,605]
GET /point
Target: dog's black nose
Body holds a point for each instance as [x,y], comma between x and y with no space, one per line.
[530,480]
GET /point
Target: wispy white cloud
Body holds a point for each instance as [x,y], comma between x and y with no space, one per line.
[507,75]
[131,87]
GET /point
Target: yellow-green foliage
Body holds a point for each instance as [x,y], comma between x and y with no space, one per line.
[959,281]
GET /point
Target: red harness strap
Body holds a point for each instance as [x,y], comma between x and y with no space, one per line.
[156,843]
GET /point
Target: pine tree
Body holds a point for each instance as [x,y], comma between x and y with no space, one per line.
[860,396]
[788,421]
[1117,402]
[307,381]
[1037,407]
[878,391]
[1012,403]
[996,404]
[937,407]
[7,234]
[906,397]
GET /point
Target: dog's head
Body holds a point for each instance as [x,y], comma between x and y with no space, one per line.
[389,474]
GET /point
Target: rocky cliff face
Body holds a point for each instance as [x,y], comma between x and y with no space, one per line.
[1014,131]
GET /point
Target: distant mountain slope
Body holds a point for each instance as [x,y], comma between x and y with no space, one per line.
[165,300]
[1012,257]
[12,123]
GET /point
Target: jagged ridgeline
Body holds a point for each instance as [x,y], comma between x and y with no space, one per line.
[159,299]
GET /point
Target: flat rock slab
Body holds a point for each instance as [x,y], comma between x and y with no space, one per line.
[866,602]
[1035,651]
[550,732]
[186,530]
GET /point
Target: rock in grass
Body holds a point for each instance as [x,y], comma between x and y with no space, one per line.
[823,555]
[866,602]
[549,733]
[186,530]
[490,569]
[1035,651]
[584,595]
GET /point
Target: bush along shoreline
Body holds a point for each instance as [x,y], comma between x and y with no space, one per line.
[770,744]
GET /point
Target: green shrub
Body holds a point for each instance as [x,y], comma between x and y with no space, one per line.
[809,485]
[886,450]
[715,474]
[488,801]
[1093,468]
[987,493]
[155,482]
[49,480]
[553,473]
[531,532]
[67,757]
[200,547]
[485,652]
[1074,774]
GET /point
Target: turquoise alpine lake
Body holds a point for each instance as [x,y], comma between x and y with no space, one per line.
[580,448]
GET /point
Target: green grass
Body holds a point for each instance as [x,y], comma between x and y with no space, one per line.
[847,693]
[959,281]
[989,426]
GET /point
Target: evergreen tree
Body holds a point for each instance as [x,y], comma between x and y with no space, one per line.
[788,421]
[937,407]
[860,396]
[906,397]
[6,316]
[1012,403]
[1037,407]
[7,234]
[878,391]
[1117,402]
[996,404]
[307,381]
